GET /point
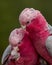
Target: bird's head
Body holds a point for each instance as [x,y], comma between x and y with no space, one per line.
[31,18]
[16,36]
[27,15]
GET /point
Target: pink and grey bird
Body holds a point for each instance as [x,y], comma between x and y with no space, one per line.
[20,42]
[39,32]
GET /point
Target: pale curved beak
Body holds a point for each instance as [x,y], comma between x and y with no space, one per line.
[23,27]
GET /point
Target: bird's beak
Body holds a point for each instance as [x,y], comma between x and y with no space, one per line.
[23,27]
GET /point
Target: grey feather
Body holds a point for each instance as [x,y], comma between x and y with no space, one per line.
[6,53]
[49,44]
[49,40]
[42,61]
[50,28]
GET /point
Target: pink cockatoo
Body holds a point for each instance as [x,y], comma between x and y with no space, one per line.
[39,31]
[22,52]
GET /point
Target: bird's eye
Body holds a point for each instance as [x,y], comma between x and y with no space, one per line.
[27,22]
[18,42]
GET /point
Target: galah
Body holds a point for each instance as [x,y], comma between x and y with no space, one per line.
[39,31]
[20,42]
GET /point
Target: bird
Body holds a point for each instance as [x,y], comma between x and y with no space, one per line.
[22,52]
[39,30]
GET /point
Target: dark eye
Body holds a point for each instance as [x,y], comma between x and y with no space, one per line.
[27,22]
[19,43]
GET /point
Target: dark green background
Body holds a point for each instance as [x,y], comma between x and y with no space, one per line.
[9,12]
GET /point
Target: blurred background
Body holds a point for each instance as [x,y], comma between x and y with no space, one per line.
[9,13]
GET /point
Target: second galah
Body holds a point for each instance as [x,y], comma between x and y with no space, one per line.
[39,32]
[21,43]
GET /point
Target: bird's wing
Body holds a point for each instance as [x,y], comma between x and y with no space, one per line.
[49,40]
[6,53]
[50,28]
[49,44]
